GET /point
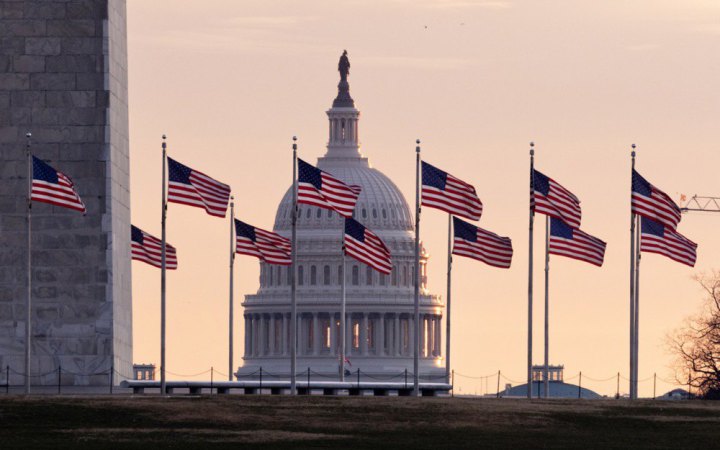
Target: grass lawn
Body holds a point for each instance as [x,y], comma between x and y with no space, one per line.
[274,422]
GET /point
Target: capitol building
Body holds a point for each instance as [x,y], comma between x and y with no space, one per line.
[379,308]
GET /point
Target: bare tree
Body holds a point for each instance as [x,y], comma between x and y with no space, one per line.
[697,343]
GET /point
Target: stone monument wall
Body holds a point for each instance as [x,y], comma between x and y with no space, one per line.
[63,77]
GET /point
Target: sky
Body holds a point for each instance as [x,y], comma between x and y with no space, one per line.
[230,82]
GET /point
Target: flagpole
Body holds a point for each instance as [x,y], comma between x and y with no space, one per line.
[449,284]
[530,273]
[232,275]
[28,306]
[632,286]
[342,311]
[416,353]
[293,269]
[162,271]
[547,307]
[638,237]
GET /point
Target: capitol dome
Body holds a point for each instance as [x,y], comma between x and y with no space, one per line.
[379,308]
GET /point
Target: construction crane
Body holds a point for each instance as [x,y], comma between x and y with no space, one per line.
[697,203]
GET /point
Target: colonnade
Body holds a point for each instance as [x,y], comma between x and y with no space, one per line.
[367,334]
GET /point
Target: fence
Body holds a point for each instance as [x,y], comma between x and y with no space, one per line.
[490,384]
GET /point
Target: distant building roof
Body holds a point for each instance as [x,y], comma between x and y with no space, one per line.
[558,389]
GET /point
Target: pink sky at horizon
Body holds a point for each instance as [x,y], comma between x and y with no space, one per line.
[231,82]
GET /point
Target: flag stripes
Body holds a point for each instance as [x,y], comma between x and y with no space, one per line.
[365,246]
[190,187]
[319,188]
[269,247]
[482,245]
[552,199]
[657,238]
[148,249]
[649,201]
[445,192]
[574,243]
[53,187]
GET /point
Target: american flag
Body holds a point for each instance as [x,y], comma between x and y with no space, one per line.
[190,187]
[576,244]
[550,198]
[269,247]
[663,240]
[365,246]
[51,186]
[148,248]
[319,188]
[480,244]
[445,192]
[649,201]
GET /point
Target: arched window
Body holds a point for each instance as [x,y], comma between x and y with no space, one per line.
[369,275]
[394,275]
[278,275]
[364,213]
[355,275]
[412,275]
[307,213]
[326,275]
[270,275]
[382,279]
[313,275]
[404,276]
[340,275]
[301,273]
[318,214]
[374,213]
[289,275]
[384,213]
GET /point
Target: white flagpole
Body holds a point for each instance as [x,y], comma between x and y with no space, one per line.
[162,272]
[293,269]
[28,306]
[638,237]
[547,307]
[449,291]
[632,287]
[530,274]
[416,353]
[232,276]
[342,309]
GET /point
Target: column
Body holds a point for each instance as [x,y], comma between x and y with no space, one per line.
[380,343]
[283,337]
[412,342]
[316,334]
[261,333]
[396,337]
[348,334]
[423,346]
[247,334]
[363,335]
[254,335]
[333,335]
[271,335]
[438,336]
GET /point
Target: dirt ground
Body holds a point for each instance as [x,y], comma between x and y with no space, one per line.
[274,422]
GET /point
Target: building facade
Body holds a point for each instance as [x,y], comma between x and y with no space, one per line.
[379,308]
[63,78]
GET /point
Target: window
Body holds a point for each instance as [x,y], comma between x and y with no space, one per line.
[301,273]
[375,213]
[404,276]
[370,333]
[355,275]
[326,334]
[364,213]
[289,275]
[368,275]
[340,274]
[394,276]
[329,213]
[412,275]
[313,275]
[278,275]
[307,213]
[382,279]
[270,275]
[326,275]
[384,213]
[318,214]
[355,334]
